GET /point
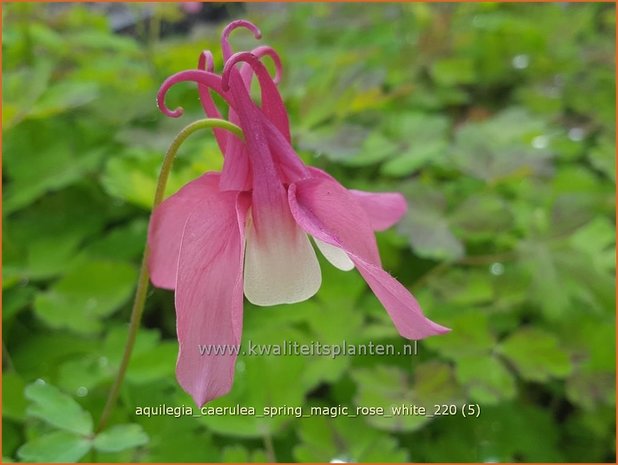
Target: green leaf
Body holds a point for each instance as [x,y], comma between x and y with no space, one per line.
[122,243]
[57,409]
[43,239]
[571,211]
[536,355]
[64,96]
[349,144]
[603,157]
[325,439]
[238,454]
[36,165]
[80,375]
[597,239]
[492,432]
[417,156]
[56,447]
[486,379]
[173,439]
[89,292]
[510,145]
[592,340]
[376,147]
[160,362]
[464,288]
[329,321]
[57,347]
[132,175]
[423,140]
[452,71]
[482,216]
[116,338]
[44,34]
[470,336]
[120,437]
[592,390]
[426,226]
[235,454]
[23,87]
[151,360]
[548,290]
[15,300]
[391,388]
[588,434]
[102,39]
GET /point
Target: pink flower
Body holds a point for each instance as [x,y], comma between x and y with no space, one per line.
[191,7]
[247,229]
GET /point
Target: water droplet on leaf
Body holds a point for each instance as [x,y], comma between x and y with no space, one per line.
[576,134]
[540,142]
[520,61]
[82,391]
[496,269]
[340,460]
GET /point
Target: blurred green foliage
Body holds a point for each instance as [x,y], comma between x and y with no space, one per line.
[495,120]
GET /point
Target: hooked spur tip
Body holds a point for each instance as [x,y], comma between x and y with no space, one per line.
[246,57]
[257,33]
[225,36]
[265,50]
[176,113]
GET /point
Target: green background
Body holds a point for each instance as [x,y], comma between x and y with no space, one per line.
[497,122]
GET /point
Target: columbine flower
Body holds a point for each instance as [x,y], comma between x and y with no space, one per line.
[247,229]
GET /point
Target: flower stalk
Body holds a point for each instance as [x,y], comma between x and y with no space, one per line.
[142,282]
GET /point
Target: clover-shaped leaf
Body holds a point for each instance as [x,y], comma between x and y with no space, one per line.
[536,355]
[120,437]
[326,439]
[90,291]
[58,409]
[56,447]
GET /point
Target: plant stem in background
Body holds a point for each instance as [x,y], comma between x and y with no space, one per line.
[142,282]
[269,447]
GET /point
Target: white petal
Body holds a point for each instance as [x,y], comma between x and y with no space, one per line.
[335,255]
[281,268]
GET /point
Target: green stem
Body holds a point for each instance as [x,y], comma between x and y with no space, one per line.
[142,282]
[269,447]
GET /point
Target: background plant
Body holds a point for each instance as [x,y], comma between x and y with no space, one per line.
[496,121]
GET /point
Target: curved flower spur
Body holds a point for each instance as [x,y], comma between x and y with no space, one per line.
[246,229]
